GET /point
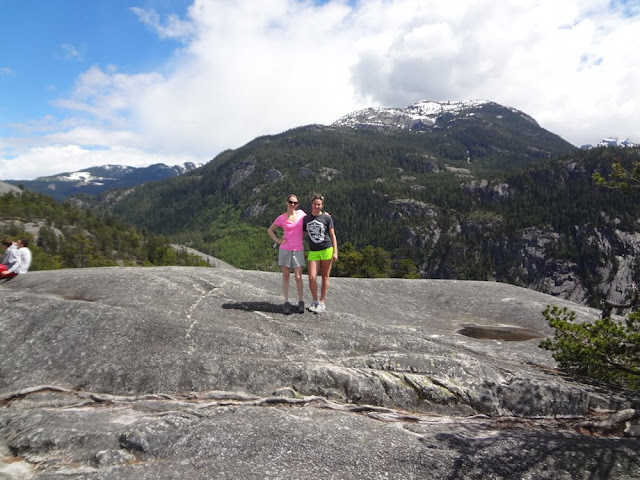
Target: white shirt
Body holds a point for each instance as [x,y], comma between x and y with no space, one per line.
[25,260]
[11,259]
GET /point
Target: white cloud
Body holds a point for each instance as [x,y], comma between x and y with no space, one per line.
[69,52]
[6,72]
[250,68]
[109,97]
[528,55]
[173,27]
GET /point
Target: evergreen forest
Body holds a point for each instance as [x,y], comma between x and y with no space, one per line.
[63,236]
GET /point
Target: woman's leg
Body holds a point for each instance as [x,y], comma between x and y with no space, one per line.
[285,282]
[325,266]
[312,270]
[297,274]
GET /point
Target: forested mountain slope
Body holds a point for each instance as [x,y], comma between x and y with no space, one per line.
[63,236]
[485,195]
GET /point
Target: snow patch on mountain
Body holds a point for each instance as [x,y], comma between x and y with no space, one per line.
[431,109]
[615,142]
[81,177]
[420,114]
[112,173]
[611,142]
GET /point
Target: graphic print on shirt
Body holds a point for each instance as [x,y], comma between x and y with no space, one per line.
[316,231]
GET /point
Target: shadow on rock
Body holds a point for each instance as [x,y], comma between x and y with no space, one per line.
[557,455]
[266,307]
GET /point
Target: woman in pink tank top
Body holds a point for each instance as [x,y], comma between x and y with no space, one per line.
[291,252]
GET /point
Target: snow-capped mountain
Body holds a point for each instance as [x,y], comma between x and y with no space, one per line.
[110,173]
[97,179]
[422,115]
[612,142]
[473,131]
[91,176]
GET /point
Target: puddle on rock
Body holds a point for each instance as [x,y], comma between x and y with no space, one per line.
[499,332]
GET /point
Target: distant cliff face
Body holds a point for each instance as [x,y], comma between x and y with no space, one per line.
[614,264]
[587,257]
[530,259]
[122,373]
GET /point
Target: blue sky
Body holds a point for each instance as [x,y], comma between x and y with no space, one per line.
[49,43]
[92,82]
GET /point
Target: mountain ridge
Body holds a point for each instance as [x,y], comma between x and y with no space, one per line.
[94,180]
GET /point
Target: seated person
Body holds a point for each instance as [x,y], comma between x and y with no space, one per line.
[25,255]
[11,260]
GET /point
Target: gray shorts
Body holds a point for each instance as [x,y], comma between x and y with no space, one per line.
[291,259]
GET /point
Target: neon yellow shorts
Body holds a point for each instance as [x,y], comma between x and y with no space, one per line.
[326,254]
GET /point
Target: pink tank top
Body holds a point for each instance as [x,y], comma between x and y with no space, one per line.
[292,231]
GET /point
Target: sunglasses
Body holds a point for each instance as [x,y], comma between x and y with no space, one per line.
[292,203]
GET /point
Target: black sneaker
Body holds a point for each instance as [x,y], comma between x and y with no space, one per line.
[287,308]
[300,306]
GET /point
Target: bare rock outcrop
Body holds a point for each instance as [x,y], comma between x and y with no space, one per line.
[8,188]
[170,372]
[254,210]
[241,172]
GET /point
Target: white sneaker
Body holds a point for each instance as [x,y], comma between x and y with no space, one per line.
[320,308]
[313,306]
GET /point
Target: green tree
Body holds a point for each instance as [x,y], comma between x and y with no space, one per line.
[406,269]
[605,349]
[376,262]
[370,262]
[48,240]
[78,251]
[621,177]
[350,261]
[41,260]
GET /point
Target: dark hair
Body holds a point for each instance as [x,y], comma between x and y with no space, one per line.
[317,196]
[24,242]
[6,242]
